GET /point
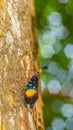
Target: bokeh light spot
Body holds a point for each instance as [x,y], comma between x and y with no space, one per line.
[63,1]
[67,110]
[55,18]
[57,47]
[69,124]
[53,68]
[68,50]
[70,66]
[54,86]
[48,37]
[62,75]
[61,32]
[71,94]
[58,124]
[47,51]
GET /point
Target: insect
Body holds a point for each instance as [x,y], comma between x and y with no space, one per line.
[31,90]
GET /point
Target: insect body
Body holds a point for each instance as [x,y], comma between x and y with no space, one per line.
[31,91]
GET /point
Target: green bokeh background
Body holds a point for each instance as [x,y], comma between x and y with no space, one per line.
[43,9]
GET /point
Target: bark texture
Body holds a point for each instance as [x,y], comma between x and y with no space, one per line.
[17,65]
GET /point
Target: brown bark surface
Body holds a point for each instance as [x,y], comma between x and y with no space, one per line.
[17,65]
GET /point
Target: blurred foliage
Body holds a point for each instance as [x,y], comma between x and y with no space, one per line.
[49,113]
[43,9]
[55,36]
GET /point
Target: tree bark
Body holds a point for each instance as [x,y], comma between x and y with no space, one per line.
[18,62]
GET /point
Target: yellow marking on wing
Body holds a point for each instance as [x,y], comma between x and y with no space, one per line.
[30,93]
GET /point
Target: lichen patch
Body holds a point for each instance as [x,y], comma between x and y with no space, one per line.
[15,25]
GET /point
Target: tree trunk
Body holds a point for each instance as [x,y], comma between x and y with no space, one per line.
[17,65]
